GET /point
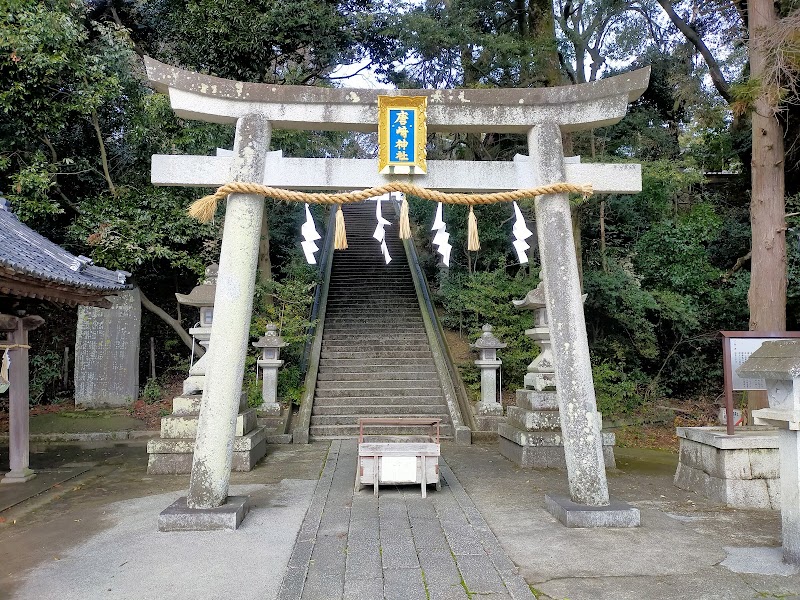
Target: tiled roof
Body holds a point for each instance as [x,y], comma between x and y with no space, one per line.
[28,253]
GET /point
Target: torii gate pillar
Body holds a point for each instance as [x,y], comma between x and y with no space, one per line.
[208,505]
[583,448]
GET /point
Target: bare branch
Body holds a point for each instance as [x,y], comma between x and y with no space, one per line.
[161,314]
[694,38]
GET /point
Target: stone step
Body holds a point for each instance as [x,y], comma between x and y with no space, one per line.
[541,438]
[414,335]
[533,420]
[364,399]
[185,426]
[533,400]
[423,410]
[374,383]
[319,432]
[358,320]
[336,363]
[339,419]
[357,372]
[190,405]
[369,354]
[385,330]
[404,392]
[241,443]
[372,347]
[174,457]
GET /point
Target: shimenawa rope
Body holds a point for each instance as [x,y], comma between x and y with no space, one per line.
[204,208]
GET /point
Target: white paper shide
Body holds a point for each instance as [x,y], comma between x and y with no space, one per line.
[441,237]
[380,232]
[310,236]
[521,233]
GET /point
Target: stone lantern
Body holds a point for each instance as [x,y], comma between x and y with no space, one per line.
[487,346]
[778,363]
[269,363]
[541,372]
[202,297]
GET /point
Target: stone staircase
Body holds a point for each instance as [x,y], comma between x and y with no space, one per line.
[375,359]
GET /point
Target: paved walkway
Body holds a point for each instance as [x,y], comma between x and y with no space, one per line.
[398,546]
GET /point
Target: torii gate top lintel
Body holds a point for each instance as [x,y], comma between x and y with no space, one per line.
[504,110]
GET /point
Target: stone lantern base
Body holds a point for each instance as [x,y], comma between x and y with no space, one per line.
[531,437]
[172,453]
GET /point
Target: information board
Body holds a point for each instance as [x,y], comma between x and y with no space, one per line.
[741,349]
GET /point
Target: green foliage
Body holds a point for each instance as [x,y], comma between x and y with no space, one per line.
[153,390]
[260,41]
[290,384]
[616,392]
[45,375]
[286,303]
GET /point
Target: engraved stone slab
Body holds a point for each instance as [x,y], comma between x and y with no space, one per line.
[107,352]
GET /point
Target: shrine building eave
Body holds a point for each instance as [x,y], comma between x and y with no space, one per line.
[503,110]
[31,266]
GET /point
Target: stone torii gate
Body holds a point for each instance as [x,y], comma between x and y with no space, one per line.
[540,113]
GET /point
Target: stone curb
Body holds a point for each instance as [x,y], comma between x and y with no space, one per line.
[295,577]
[96,436]
[509,572]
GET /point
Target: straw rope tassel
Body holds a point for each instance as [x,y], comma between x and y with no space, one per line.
[205,208]
[473,243]
[340,236]
[405,228]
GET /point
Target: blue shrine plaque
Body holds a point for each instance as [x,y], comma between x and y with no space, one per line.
[402,134]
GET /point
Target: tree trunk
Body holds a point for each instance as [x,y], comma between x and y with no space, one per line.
[264,262]
[603,258]
[767,295]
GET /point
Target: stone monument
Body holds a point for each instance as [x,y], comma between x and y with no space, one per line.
[778,363]
[541,114]
[107,352]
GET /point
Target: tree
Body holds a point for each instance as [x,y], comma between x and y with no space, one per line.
[767,295]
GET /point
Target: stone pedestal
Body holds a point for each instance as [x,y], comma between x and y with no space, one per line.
[541,372]
[739,471]
[531,436]
[172,453]
[195,383]
[179,517]
[778,362]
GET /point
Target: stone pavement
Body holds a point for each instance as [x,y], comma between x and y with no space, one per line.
[397,546]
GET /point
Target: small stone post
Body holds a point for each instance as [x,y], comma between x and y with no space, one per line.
[269,363]
[583,448]
[778,363]
[233,305]
[18,395]
[488,345]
